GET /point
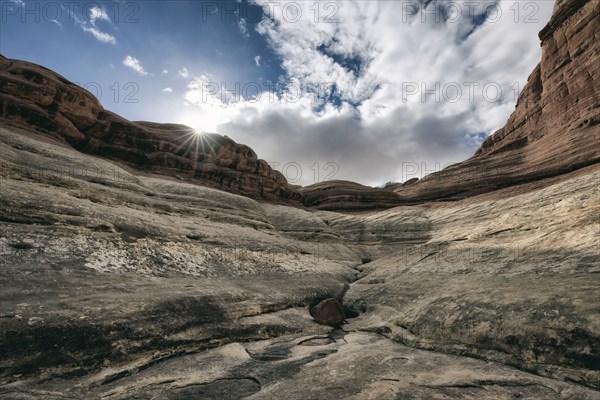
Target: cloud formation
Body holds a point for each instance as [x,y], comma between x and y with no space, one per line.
[390,84]
[98,14]
[95,14]
[135,65]
[184,73]
[99,35]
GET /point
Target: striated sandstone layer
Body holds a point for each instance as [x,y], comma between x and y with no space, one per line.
[34,97]
[348,196]
[555,126]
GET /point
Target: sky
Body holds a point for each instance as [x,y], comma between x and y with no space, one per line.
[371,91]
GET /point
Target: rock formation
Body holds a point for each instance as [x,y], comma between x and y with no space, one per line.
[120,280]
[349,196]
[133,285]
[555,126]
[37,98]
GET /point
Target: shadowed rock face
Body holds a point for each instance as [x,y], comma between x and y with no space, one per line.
[32,96]
[349,196]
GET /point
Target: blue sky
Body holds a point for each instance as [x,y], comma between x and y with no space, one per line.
[372,87]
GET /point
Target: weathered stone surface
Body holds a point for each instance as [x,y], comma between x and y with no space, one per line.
[129,270]
[410,182]
[328,312]
[349,196]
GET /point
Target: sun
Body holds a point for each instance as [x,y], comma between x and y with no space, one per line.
[202,120]
[197,143]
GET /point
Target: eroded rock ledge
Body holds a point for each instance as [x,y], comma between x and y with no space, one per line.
[36,98]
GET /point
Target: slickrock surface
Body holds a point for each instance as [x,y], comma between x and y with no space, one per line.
[119,284]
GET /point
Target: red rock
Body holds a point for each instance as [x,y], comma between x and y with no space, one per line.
[32,96]
[555,126]
[346,196]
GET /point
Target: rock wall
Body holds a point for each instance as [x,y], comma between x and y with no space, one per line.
[554,128]
[349,196]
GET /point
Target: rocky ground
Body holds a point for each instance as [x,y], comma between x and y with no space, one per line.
[118,284]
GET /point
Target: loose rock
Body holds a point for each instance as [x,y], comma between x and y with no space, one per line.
[328,312]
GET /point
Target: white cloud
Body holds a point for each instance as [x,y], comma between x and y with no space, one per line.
[165,72]
[167,90]
[95,14]
[18,2]
[98,14]
[135,64]
[257,61]
[243,27]
[100,36]
[371,58]
[184,73]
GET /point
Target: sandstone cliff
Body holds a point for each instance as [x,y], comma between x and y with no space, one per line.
[553,130]
[32,96]
[555,126]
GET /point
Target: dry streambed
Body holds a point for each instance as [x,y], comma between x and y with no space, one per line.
[142,287]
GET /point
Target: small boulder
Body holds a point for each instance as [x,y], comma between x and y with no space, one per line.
[365,260]
[26,244]
[411,182]
[328,312]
